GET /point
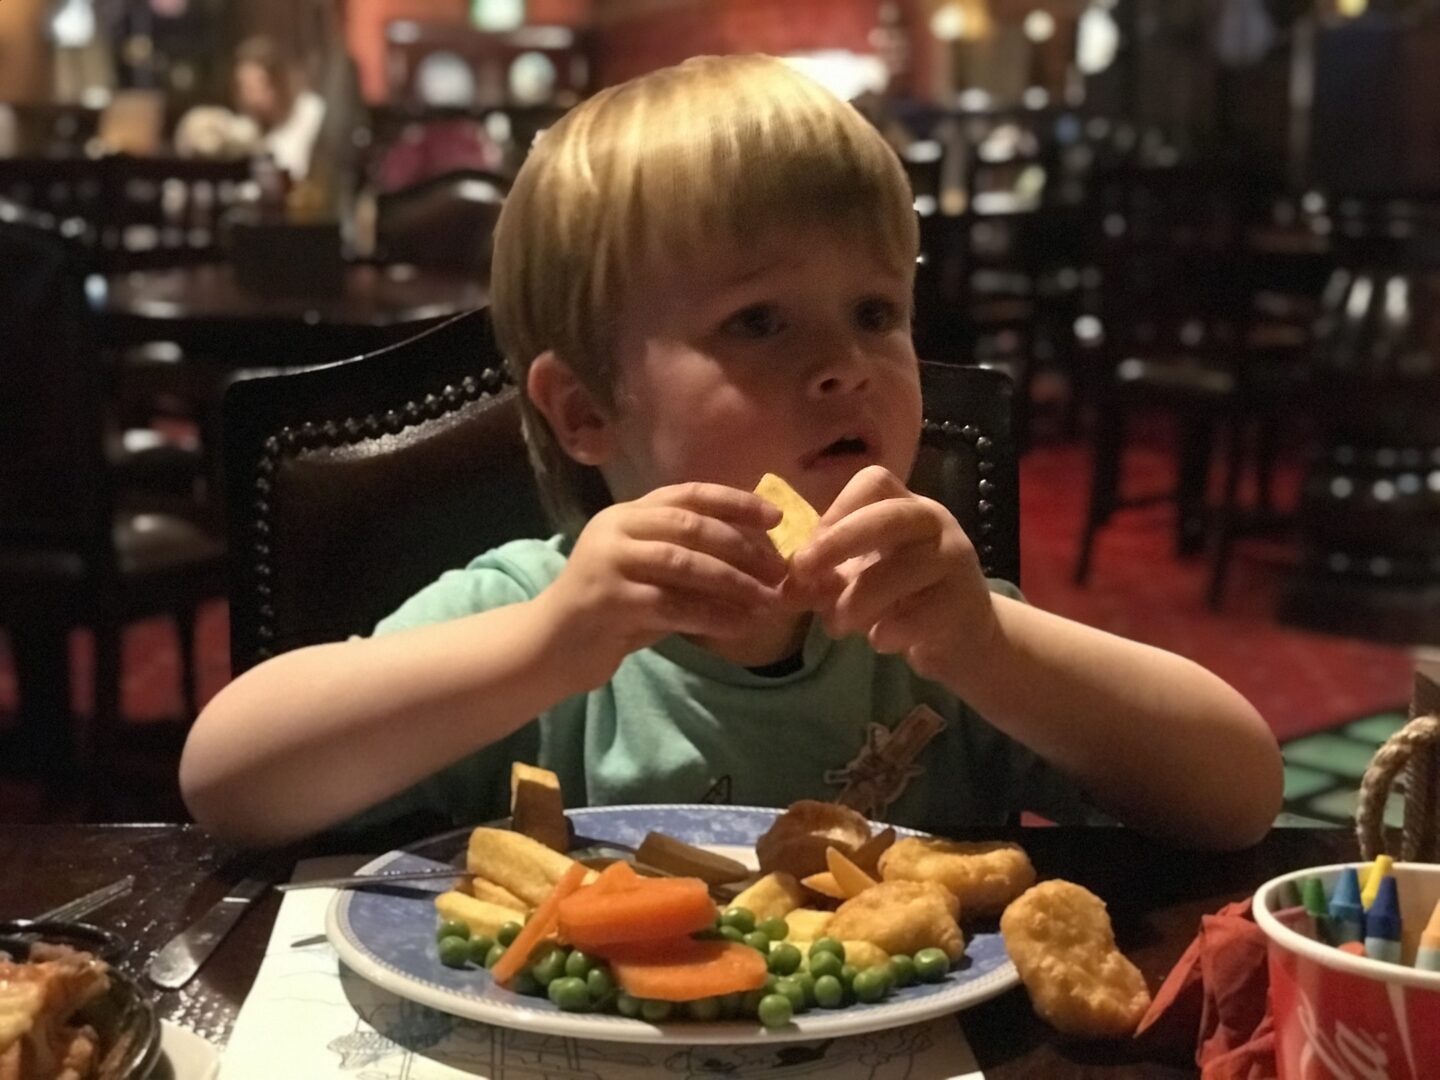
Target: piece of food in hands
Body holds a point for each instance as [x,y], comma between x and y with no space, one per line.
[799,517]
[797,840]
[518,864]
[39,999]
[482,917]
[1060,938]
[983,876]
[686,860]
[902,917]
[536,807]
[775,895]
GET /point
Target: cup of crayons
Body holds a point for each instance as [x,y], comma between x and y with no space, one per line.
[1354,954]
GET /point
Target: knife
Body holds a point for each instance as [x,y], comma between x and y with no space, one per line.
[175,964]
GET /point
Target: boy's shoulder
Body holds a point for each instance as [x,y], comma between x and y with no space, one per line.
[509,574]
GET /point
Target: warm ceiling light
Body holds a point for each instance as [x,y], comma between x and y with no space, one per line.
[1039,26]
[1352,8]
[962,20]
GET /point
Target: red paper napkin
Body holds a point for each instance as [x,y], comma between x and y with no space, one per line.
[1220,989]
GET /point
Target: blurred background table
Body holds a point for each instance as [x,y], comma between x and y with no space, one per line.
[1156,896]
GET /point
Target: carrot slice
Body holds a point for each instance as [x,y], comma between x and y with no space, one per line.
[615,877]
[540,924]
[687,970]
[649,909]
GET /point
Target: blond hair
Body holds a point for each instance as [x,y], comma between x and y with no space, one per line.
[666,167]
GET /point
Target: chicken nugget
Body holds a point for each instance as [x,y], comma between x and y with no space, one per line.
[983,876]
[901,917]
[1060,938]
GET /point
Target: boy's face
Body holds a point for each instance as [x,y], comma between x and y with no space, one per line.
[793,358]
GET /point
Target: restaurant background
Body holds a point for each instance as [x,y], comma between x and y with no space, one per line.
[1270,165]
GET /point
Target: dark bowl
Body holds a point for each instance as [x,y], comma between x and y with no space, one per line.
[124,1016]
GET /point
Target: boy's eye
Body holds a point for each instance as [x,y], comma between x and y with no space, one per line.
[878,314]
[754,322]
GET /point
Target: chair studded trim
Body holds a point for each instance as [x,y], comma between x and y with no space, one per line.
[945,435]
[294,440]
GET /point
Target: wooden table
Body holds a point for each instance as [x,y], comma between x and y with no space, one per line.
[1156,896]
[205,311]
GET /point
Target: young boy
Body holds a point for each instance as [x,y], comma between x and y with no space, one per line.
[702,276]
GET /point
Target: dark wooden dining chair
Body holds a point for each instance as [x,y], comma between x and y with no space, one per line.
[75,551]
[352,485]
[445,221]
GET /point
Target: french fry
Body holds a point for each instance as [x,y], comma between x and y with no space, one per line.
[799,520]
[536,808]
[685,860]
[849,877]
[517,863]
[481,916]
[485,889]
[824,884]
[773,896]
[807,924]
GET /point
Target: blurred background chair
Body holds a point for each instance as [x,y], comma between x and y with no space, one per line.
[352,485]
[83,543]
[446,221]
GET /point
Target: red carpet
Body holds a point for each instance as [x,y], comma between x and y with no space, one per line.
[1300,682]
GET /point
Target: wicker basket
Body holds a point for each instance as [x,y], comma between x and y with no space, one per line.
[1413,753]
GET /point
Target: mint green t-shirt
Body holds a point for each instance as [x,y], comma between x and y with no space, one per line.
[679,724]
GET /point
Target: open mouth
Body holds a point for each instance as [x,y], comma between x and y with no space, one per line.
[849,446]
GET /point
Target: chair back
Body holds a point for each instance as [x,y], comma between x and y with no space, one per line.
[352,485]
[447,221]
[53,486]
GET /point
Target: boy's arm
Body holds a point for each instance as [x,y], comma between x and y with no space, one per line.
[1154,738]
[313,736]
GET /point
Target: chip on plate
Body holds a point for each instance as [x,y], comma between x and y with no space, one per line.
[799,518]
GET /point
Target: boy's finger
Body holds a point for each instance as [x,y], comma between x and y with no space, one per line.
[684,569]
[882,526]
[748,549]
[718,501]
[869,485]
[883,587]
[677,612]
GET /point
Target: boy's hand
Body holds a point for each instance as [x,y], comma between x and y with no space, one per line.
[686,559]
[899,569]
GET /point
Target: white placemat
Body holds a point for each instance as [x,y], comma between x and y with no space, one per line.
[308,1015]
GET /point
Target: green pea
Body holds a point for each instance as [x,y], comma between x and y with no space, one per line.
[829,992]
[806,981]
[784,958]
[704,1009]
[550,967]
[794,991]
[902,970]
[742,919]
[569,994]
[526,983]
[578,965]
[871,985]
[452,928]
[775,1010]
[657,1012]
[479,947]
[732,933]
[599,982]
[454,951]
[508,933]
[628,1005]
[825,963]
[493,956]
[931,965]
[758,940]
[847,975]
[828,945]
[750,1002]
[775,928]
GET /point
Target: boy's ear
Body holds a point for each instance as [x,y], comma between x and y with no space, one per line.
[580,426]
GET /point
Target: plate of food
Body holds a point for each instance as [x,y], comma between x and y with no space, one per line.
[826,925]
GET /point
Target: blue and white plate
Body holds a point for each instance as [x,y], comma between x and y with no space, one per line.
[388,938]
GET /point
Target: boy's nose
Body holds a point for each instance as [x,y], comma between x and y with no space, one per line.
[841,369]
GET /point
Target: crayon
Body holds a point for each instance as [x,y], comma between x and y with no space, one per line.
[1378,872]
[1288,894]
[1347,917]
[1354,948]
[1312,892]
[1428,958]
[1382,924]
